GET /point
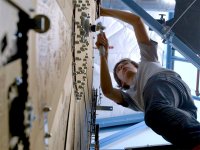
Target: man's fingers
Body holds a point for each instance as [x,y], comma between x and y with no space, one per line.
[101,43]
[104,35]
[102,40]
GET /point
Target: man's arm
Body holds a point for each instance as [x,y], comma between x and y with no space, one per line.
[105,79]
[134,20]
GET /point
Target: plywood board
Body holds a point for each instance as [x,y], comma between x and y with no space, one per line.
[67,9]
[8,28]
[8,75]
[51,63]
[51,79]
[57,141]
[25,5]
[71,125]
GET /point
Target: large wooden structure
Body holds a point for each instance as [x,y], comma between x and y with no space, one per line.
[59,73]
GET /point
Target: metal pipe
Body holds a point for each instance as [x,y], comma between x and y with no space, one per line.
[197,84]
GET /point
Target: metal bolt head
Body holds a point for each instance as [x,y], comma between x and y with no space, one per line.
[46,109]
[48,135]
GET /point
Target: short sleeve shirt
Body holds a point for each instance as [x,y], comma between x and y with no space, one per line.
[148,67]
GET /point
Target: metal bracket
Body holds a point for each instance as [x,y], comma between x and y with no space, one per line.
[106,108]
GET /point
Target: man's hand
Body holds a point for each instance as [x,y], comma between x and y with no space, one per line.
[102,41]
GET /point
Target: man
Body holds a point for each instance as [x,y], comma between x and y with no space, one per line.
[160,93]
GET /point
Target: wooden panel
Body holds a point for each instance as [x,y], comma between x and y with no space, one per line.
[82,112]
[51,80]
[7,77]
[25,5]
[61,117]
[71,125]
[9,72]
[51,69]
[3,111]
[67,9]
[7,30]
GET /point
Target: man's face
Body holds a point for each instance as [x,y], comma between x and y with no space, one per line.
[126,71]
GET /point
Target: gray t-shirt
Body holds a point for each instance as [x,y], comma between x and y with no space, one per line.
[148,67]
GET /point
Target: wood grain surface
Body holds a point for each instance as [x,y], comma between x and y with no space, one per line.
[51,79]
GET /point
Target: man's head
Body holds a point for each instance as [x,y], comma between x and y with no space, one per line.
[123,71]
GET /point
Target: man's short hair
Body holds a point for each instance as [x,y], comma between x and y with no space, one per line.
[125,87]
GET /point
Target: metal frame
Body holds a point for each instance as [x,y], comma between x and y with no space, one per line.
[171,58]
[161,30]
[123,133]
[120,120]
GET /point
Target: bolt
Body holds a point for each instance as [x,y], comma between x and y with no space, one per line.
[77,58]
[31,9]
[46,109]
[48,135]
[77,5]
[76,42]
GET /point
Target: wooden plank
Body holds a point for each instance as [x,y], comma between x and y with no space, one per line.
[50,63]
[82,134]
[71,125]
[77,131]
[57,141]
[50,77]
[7,77]
[9,72]
[8,28]
[25,5]
[4,131]
[53,50]
[66,7]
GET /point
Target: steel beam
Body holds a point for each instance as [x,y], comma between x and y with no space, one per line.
[105,108]
[123,133]
[120,120]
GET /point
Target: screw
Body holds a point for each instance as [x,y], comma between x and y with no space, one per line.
[48,135]
[46,109]
[76,42]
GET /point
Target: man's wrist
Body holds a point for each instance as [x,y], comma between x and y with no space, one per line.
[102,52]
